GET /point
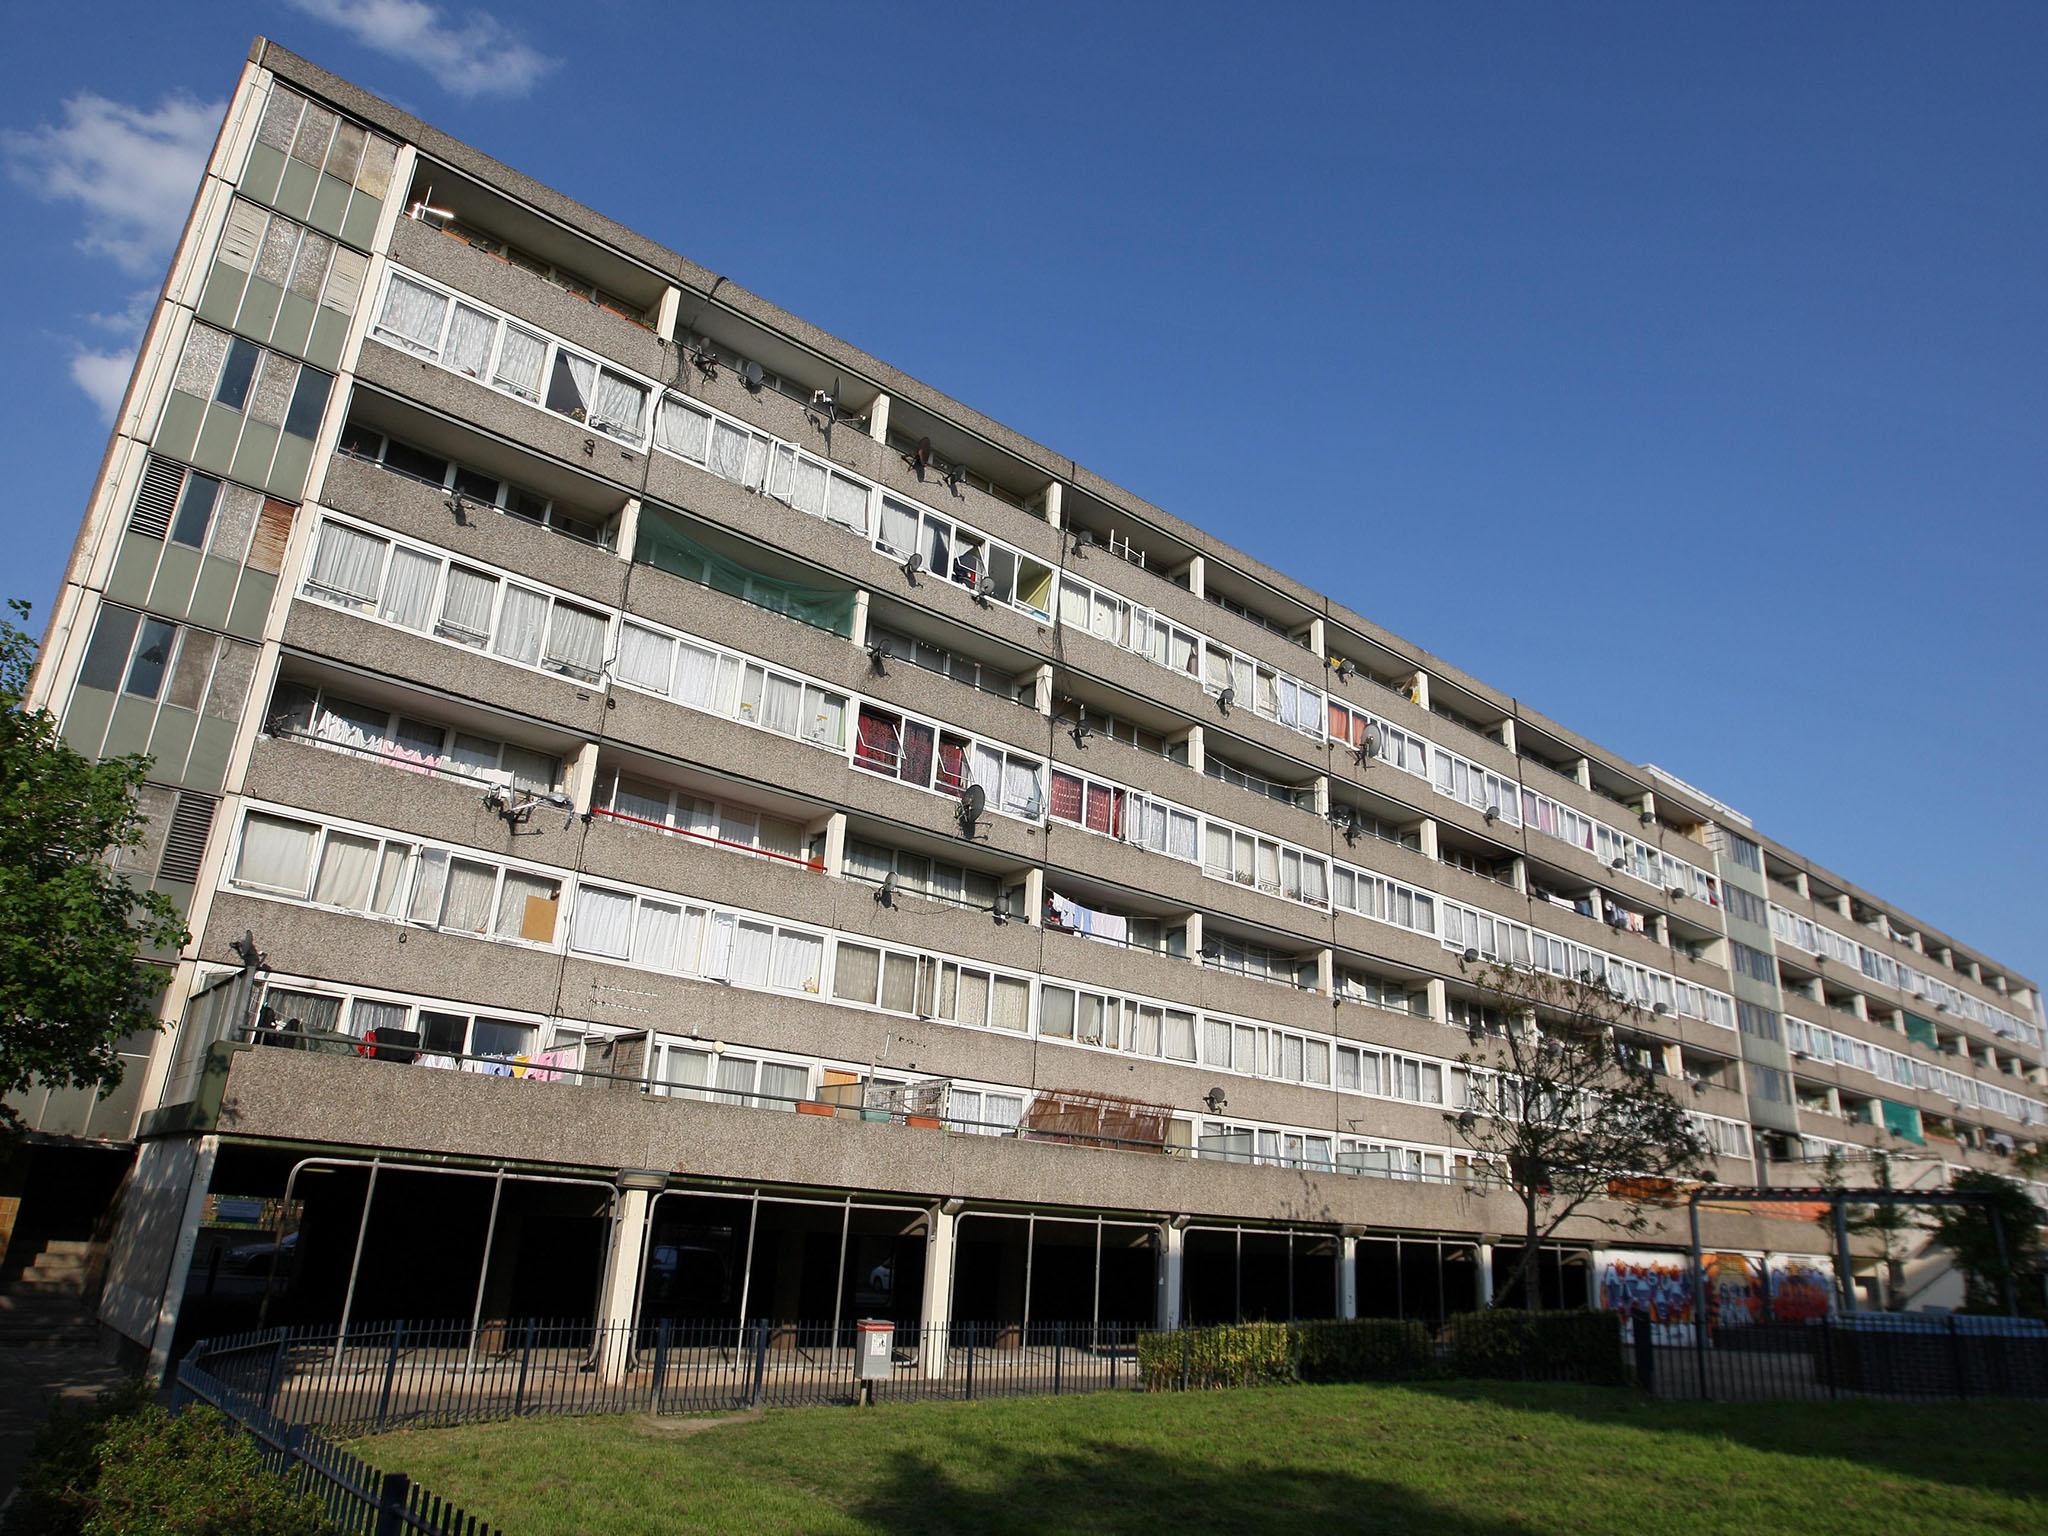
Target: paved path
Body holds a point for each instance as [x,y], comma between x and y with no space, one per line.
[44,1356]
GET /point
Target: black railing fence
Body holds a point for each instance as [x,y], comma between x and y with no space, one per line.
[382,1375]
[356,1497]
[1902,1355]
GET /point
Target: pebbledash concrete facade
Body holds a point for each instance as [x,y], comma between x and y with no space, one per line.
[578,670]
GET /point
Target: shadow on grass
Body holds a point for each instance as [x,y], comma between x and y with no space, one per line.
[1107,1490]
[1930,1440]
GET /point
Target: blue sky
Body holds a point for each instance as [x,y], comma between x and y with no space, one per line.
[1720,331]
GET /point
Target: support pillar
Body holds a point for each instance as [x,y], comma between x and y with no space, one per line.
[1484,1277]
[860,618]
[878,419]
[1318,639]
[1426,831]
[1049,504]
[1171,1268]
[936,1310]
[1439,997]
[629,529]
[1347,1276]
[1418,690]
[583,778]
[620,1297]
[835,843]
[1041,690]
[1198,570]
[665,317]
[1197,757]
[1321,790]
[1034,896]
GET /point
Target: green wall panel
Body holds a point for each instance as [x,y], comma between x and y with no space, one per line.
[330,204]
[223,294]
[260,175]
[259,309]
[330,335]
[179,429]
[85,722]
[134,569]
[294,325]
[207,768]
[171,594]
[288,474]
[295,188]
[128,732]
[213,598]
[252,605]
[218,434]
[360,228]
[258,448]
[170,743]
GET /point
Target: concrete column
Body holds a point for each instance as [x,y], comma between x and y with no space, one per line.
[1041,690]
[1347,1276]
[583,778]
[1197,753]
[1195,938]
[1326,971]
[1582,771]
[1418,689]
[1034,896]
[878,419]
[1317,641]
[665,317]
[1507,734]
[1518,873]
[1198,576]
[860,617]
[936,1310]
[1484,1267]
[180,1267]
[1172,1262]
[623,1265]
[1322,794]
[1428,831]
[1439,998]
[1049,504]
[629,529]
[835,843]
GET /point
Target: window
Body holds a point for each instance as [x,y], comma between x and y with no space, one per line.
[703,677]
[1245,858]
[913,751]
[1750,908]
[371,730]
[474,486]
[129,652]
[466,338]
[934,879]
[737,827]
[1753,963]
[1382,900]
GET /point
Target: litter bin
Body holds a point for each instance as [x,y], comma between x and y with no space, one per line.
[876,1358]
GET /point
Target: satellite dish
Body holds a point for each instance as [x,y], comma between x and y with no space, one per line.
[751,376]
[885,893]
[1347,669]
[1492,814]
[973,801]
[878,656]
[706,360]
[1225,699]
[919,458]
[911,567]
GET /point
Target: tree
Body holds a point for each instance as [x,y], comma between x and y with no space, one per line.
[1971,1236]
[1572,1117]
[1891,1224]
[71,978]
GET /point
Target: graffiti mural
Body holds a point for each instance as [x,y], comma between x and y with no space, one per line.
[1659,1286]
[1801,1289]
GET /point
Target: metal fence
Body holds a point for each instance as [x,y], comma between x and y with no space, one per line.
[357,1499]
[1861,1355]
[383,1375]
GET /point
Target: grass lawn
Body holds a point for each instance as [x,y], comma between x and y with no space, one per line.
[1437,1460]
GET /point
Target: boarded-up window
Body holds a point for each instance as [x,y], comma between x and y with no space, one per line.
[273,528]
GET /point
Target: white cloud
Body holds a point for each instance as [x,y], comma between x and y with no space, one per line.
[103,376]
[132,171]
[477,56]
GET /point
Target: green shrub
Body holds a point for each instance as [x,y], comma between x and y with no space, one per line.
[1367,1349]
[55,1493]
[192,1473]
[1230,1355]
[125,1467]
[1507,1343]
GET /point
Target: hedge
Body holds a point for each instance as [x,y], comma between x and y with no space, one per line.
[126,1467]
[1264,1354]
[1538,1346]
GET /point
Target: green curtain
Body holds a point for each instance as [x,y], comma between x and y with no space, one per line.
[662,544]
[1920,1029]
[1903,1120]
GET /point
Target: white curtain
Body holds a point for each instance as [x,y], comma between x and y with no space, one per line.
[470,889]
[391,879]
[782,705]
[846,503]
[276,854]
[604,922]
[718,944]
[784,1083]
[346,564]
[798,961]
[682,429]
[469,341]
[1177,1040]
[645,801]
[1020,788]
[644,657]
[973,1002]
[826,716]
[620,404]
[529,770]
[899,528]
[654,938]
[512,901]
[346,865]
[1011,1005]
[750,954]
[366,1014]
[466,606]
[856,969]
[519,362]
[430,886]
[736,1076]
[409,589]
[576,641]
[899,983]
[412,314]
[728,452]
[571,385]
[520,622]
[696,672]
[807,487]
